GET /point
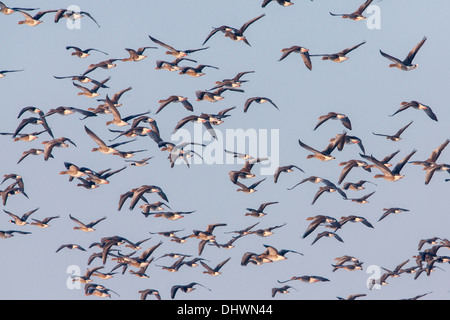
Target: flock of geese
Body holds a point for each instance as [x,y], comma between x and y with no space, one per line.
[138,257]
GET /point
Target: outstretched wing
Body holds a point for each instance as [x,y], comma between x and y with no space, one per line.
[162,44]
[414,51]
[393,59]
[94,137]
[183,121]
[345,51]
[213,32]
[399,166]
[247,24]
[174,290]
[363,6]
[305,146]
[76,220]
[307,60]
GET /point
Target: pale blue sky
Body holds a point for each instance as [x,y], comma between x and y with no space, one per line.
[364,88]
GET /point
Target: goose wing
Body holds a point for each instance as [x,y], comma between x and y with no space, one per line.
[413,52]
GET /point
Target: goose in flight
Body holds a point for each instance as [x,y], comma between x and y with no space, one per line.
[83,79]
[58,142]
[145,293]
[139,163]
[4,234]
[102,176]
[418,106]
[435,168]
[329,189]
[70,246]
[64,111]
[267,231]
[213,96]
[396,136]
[185,288]
[334,116]
[72,15]
[385,160]
[397,271]
[406,64]
[431,241]
[31,109]
[82,53]
[324,155]
[346,258]
[313,179]
[35,19]
[328,234]
[260,211]
[349,165]
[20,220]
[98,290]
[214,271]
[257,100]
[244,173]
[349,267]
[389,175]
[349,140]
[137,194]
[234,82]
[33,121]
[304,53]
[272,254]
[357,15]
[340,56]
[317,221]
[199,119]
[43,223]
[25,136]
[216,119]
[363,199]
[116,97]
[433,156]
[174,99]
[195,71]
[14,176]
[284,3]
[244,231]
[86,278]
[136,54]
[171,215]
[106,64]
[3,72]
[249,189]
[287,169]
[90,93]
[388,211]
[85,227]
[171,65]
[10,10]
[102,147]
[356,185]
[354,219]
[233,33]
[156,206]
[308,279]
[117,118]
[208,233]
[353,296]
[175,52]
[9,191]
[283,289]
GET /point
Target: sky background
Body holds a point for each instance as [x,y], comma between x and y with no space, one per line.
[363,88]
